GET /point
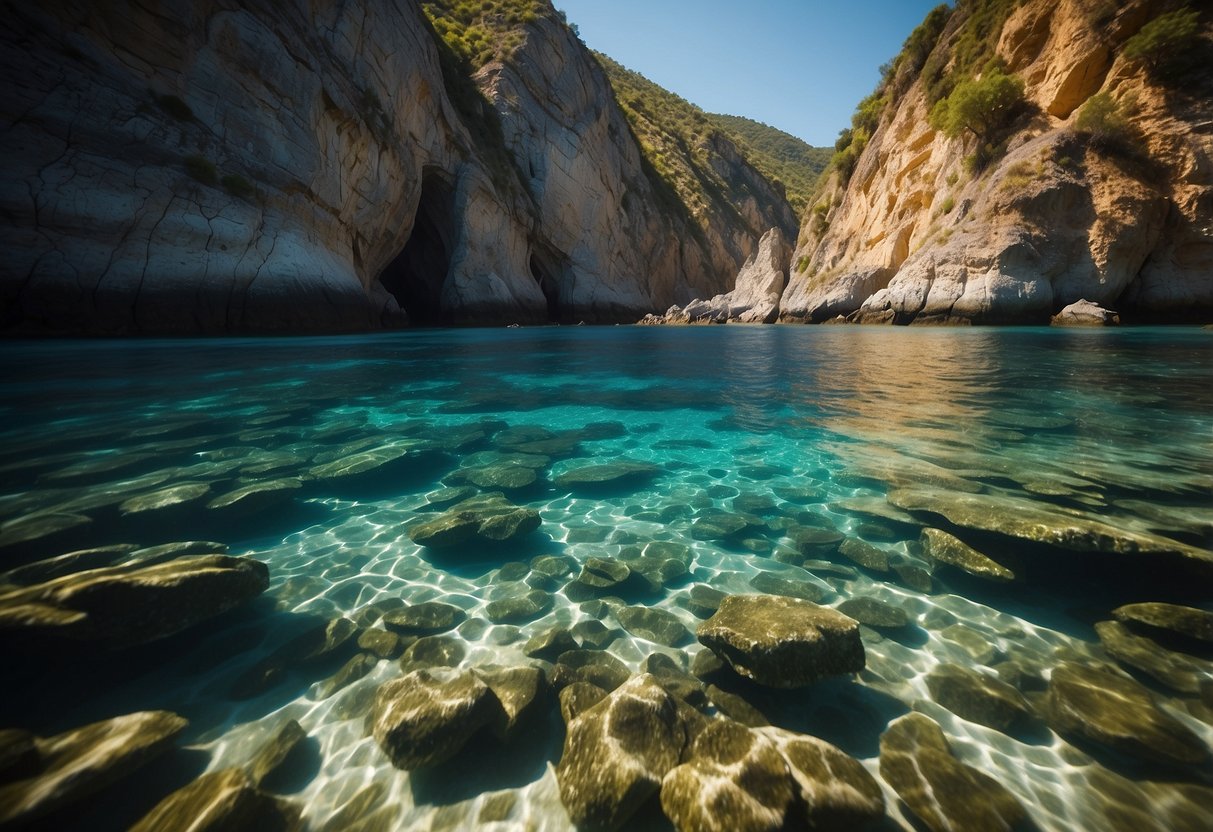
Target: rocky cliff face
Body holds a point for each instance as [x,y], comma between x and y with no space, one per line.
[915,237]
[189,167]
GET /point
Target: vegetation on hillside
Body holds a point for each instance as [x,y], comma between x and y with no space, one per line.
[1167,45]
[778,156]
[971,33]
[479,31]
[676,138]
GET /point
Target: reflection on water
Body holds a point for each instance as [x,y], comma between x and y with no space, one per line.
[1079,461]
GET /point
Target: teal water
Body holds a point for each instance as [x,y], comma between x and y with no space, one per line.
[792,427]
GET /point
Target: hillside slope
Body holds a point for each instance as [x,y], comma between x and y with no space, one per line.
[1072,157]
[198,167]
[780,156]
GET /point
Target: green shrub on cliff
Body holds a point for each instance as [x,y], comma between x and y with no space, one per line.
[1167,44]
[982,106]
[480,31]
[1108,125]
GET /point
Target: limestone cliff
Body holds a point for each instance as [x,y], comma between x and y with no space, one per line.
[921,232]
[204,166]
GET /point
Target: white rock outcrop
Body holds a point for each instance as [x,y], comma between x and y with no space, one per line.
[755,295]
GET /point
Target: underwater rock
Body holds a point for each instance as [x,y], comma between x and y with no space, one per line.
[713,524]
[594,666]
[123,606]
[1147,656]
[812,541]
[521,693]
[654,624]
[433,651]
[799,494]
[424,619]
[315,644]
[703,600]
[980,648]
[757,504]
[944,548]
[56,567]
[549,644]
[783,642]
[734,780]
[380,643]
[1029,520]
[257,496]
[69,766]
[1116,712]
[362,463]
[977,697]
[737,778]
[553,566]
[607,476]
[168,551]
[221,801]
[277,751]
[179,494]
[865,554]
[617,752]
[942,792]
[516,610]
[735,707]
[489,518]
[577,698]
[36,527]
[1173,618]
[769,583]
[594,635]
[915,577]
[874,613]
[504,477]
[837,794]
[350,672]
[426,717]
[444,497]
[603,573]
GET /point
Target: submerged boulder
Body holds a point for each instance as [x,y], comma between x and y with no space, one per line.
[783,642]
[1064,528]
[59,770]
[1103,707]
[608,476]
[427,716]
[221,801]
[942,792]
[617,752]
[977,697]
[1147,656]
[1188,622]
[944,548]
[738,778]
[122,606]
[488,518]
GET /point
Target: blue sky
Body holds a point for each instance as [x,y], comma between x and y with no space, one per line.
[799,65]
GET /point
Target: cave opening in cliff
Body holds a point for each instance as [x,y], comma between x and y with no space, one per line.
[548,267]
[416,276]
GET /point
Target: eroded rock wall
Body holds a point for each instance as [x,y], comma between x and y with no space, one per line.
[210,167]
[914,237]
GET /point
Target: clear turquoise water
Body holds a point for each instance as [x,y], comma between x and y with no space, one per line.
[1114,425]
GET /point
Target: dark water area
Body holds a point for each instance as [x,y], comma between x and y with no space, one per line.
[998,493]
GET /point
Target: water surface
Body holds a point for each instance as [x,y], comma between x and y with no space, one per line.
[801,426]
